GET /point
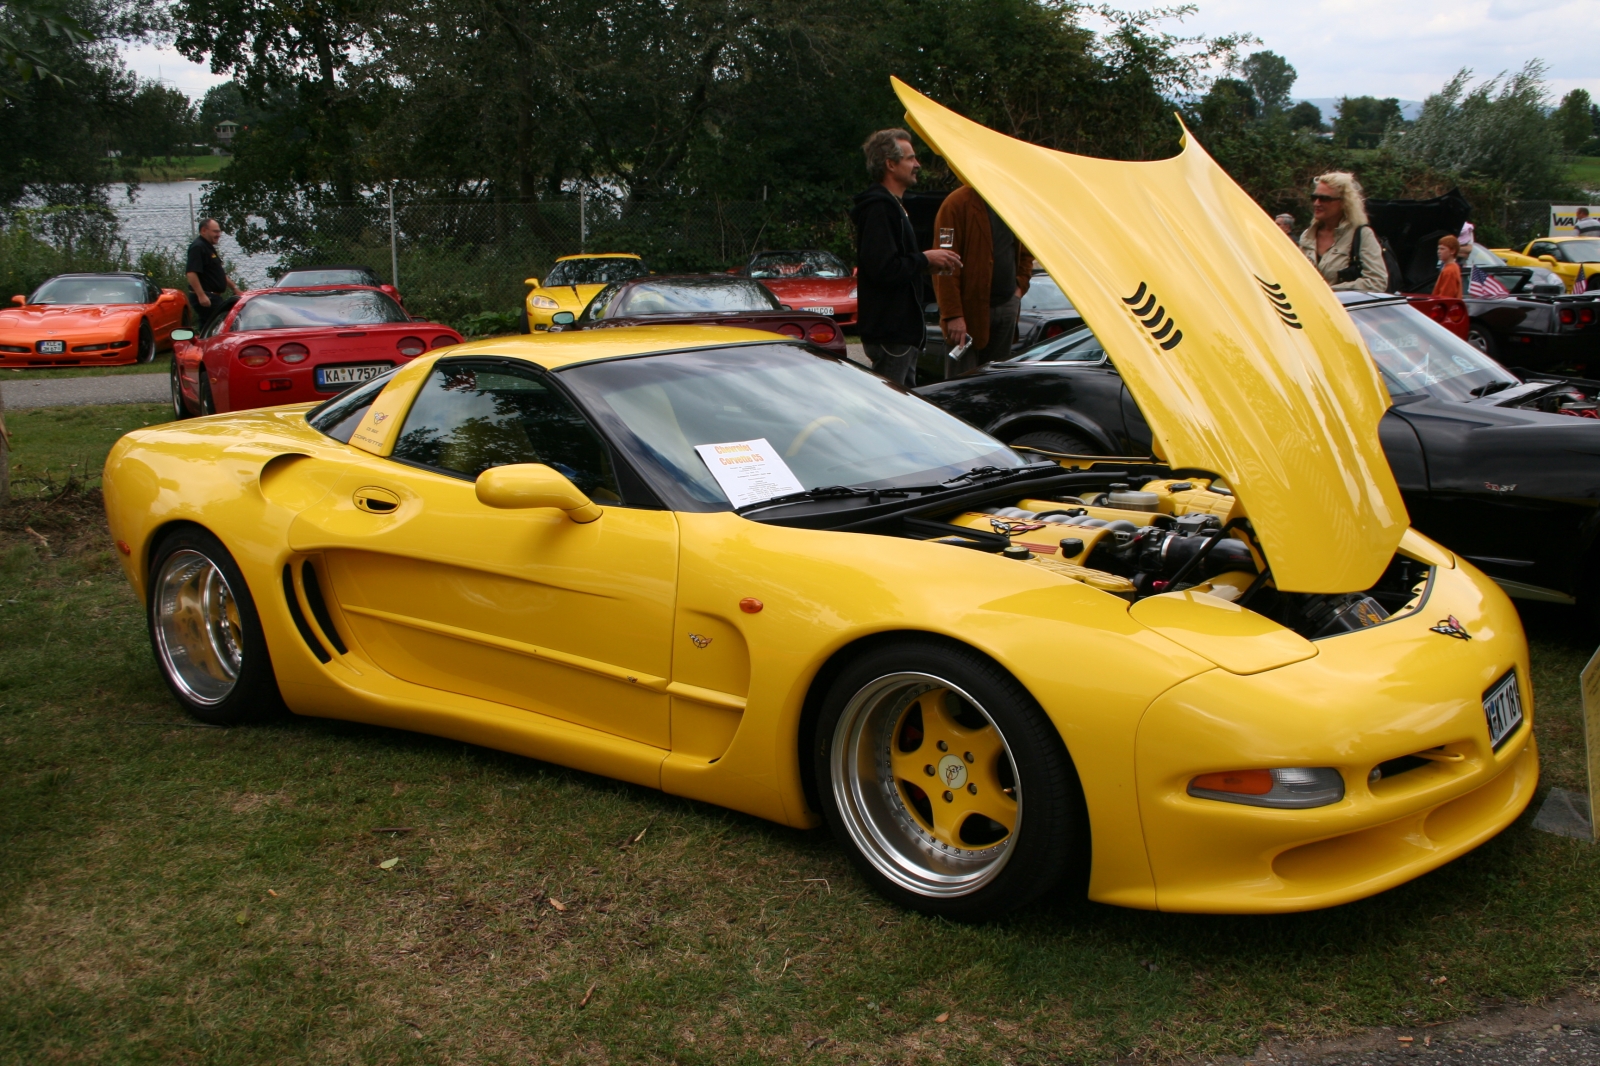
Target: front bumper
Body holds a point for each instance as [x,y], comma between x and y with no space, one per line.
[79,351]
[1365,699]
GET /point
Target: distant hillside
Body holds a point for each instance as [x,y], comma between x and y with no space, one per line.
[1329,106]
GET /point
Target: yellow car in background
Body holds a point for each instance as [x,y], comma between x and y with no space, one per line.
[1562,256]
[572,283]
[747,571]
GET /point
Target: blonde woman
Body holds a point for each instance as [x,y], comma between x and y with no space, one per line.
[1339,242]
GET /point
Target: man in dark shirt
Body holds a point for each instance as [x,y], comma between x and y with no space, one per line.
[890,268]
[207,280]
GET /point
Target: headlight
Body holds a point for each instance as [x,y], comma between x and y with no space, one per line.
[544,301]
[1287,788]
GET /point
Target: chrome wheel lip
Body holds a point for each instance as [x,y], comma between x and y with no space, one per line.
[893,841]
[193,624]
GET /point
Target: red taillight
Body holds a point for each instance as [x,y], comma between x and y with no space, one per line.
[293,353]
[1436,311]
[255,355]
[276,385]
[441,341]
[789,329]
[1568,316]
[410,346]
[1053,330]
[1457,312]
[822,333]
[1585,316]
[1245,782]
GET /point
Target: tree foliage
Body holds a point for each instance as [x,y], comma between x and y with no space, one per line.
[1363,120]
[1270,77]
[1574,121]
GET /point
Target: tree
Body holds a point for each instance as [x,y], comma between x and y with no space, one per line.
[1572,120]
[1271,78]
[160,122]
[1363,120]
[1305,116]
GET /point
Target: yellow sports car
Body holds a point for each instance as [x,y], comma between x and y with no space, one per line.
[747,571]
[1562,256]
[572,283]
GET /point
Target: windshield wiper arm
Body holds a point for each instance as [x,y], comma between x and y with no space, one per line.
[828,492]
[1491,387]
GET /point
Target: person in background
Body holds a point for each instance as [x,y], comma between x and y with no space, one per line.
[890,269]
[207,280]
[1285,222]
[1449,283]
[983,296]
[1339,242]
[1584,226]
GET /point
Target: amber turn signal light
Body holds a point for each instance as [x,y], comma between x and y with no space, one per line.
[1287,787]
[1247,782]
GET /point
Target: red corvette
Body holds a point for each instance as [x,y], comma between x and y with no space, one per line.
[90,319]
[807,280]
[278,346]
[700,300]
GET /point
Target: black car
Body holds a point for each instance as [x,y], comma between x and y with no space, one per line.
[1537,324]
[1502,467]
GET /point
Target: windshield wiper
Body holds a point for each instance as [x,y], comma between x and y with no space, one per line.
[1489,388]
[848,491]
[833,492]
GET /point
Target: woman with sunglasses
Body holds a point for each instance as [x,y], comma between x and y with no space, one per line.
[1339,242]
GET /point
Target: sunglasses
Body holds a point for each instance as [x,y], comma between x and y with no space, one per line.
[1321,199]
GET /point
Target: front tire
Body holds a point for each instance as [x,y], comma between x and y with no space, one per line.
[208,406]
[206,634]
[180,407]
[147,342]
[925,754]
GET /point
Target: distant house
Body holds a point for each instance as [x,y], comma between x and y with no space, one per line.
[225,131]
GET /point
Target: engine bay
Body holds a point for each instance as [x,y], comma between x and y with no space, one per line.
[1167,535]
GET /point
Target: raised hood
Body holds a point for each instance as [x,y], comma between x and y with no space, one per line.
[1241,358]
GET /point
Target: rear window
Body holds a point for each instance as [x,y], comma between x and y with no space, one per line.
[302,310]
[330,276]
[692,296]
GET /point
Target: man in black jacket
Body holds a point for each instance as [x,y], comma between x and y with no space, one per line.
[890,268]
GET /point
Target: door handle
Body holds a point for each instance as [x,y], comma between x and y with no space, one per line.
[375,500]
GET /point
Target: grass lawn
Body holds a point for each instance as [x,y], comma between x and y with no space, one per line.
[176,893]
[161,364]
[1585,171]
[52,446]
[181,168]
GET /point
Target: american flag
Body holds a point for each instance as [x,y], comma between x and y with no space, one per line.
[1581,284]
[1485,284]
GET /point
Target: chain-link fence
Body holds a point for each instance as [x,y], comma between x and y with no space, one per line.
[1526,220]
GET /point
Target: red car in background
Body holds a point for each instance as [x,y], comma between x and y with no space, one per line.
[303,277]
[807,279]
[279,346]
[1448,311]
[700,300]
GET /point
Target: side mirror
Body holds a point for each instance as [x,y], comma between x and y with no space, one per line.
[183,334]
[563,318]
[1548,259]
[524,485]
[20,301]
[532,283]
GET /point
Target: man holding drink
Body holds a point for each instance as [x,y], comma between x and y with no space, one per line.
[980,299]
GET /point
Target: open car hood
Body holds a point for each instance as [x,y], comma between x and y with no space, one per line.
[1238,353]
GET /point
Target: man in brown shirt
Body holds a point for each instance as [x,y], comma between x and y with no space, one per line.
[981,297]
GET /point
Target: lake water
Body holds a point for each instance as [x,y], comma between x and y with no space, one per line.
[161,218]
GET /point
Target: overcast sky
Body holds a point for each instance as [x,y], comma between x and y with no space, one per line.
[1406,49]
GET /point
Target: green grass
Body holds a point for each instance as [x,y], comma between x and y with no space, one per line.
[161,364]
[56,447]
[182,168]
[175,893]
[1585,171]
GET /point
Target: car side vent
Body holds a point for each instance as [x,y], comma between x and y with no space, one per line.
[1280,302]
[1153,317]
[319,606]
[299,617]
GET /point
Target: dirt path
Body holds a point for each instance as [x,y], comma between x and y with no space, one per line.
[73,392]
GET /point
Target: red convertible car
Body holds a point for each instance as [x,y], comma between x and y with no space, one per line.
[278,346]
[700,300]
[90,319]
[808,279]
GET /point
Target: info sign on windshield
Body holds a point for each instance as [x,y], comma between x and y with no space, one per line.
[749,471]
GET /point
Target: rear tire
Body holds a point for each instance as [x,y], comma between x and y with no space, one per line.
[206,634]
[953,842]
[1052,440]
[208,406]
[1483,340]
[147,343]
[180,407]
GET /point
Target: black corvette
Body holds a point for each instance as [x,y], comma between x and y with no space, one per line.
[1502,467]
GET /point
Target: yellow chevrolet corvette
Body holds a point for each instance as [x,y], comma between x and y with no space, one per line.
[749,572]
[572,283]
[1563,256]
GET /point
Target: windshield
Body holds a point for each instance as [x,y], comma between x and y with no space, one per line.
[1045,295]
[1586,250]
[90,291]
[831,421]
[1078,346]
[594,271]
[329,276]
[669,296]
[1416,354]
[1482,257]
[809,264]
[300,310]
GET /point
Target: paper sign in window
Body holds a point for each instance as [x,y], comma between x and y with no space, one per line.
[749,471]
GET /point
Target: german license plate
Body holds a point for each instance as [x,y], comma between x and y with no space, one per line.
[1502,705]
[348,375]
[819,310]
[52,347]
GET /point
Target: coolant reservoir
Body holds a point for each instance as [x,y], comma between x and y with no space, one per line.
[1133,500]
